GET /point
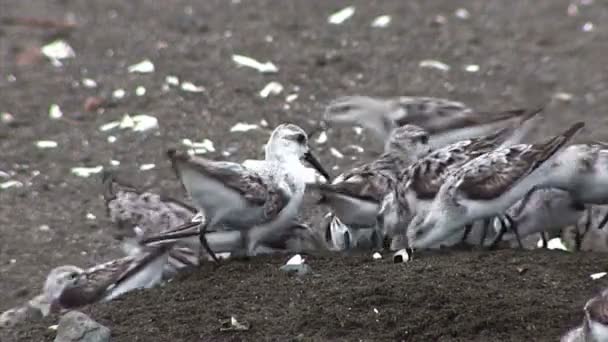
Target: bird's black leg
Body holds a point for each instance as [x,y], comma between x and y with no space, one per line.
[202,230]
[603,222]
[543,237]
[484,232]
[513,227]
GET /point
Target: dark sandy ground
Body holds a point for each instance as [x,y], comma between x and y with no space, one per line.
[528,53]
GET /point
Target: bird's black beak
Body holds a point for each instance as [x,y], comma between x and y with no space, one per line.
[309,157]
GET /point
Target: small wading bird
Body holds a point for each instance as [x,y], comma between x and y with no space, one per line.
[267,196]
[595,322]
[487,186]
[417,186]
[68,287]
[355,196]
[446,121]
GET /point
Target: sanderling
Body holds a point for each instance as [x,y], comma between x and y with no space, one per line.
[68,286]
[584,172]
[547,211]
[417,186]
[231,195]
[296,238]
[487,186]
[595,322]
[355,196]
[446,121]
[138,214]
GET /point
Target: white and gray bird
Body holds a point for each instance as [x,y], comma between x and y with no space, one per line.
[487,186]
[267,196]
[69,287]
[595,322]
[417,186]
[355,196]
[446,121]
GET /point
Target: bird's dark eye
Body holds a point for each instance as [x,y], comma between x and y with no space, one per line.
[73,275]
[424,139]
[301,139]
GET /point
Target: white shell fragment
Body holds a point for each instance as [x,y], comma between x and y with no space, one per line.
[192,88]
[471,68]
[90,216]
[462,13]
[86,171]
[6,117]
[322,138]
[143,67]
[433,64]
[358,130]
[42,144]
[58,49]
[272,88]
[588,27]
[565,97]
[140,91]
[53,327]
[89,83]
[597,276]
[172,80]
[291,98]
[295,260]
[341,16]
[146,167]
[267,67]
[377,256]
[55,112]
[118,94]
[199,147]
[243,127]
[334,152]
[381,21]
[138,123]
[10,184]
[555,243]
[114,162]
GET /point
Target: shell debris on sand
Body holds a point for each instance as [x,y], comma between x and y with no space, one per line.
[599,275]
[192,88]
[46,144]
[341,16]
[55,112]
[272,88]
[381,21]
[243,127]
[144,67]
[86,171]
[264,68]
[434,64]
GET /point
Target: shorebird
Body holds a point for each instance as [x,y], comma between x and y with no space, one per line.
[417,186]
[295,238]
[139,213]
[584,172]
[446,121]
[267,196]
[68,287]
[355,196]
[487,186]
[547,211]
[595,322]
